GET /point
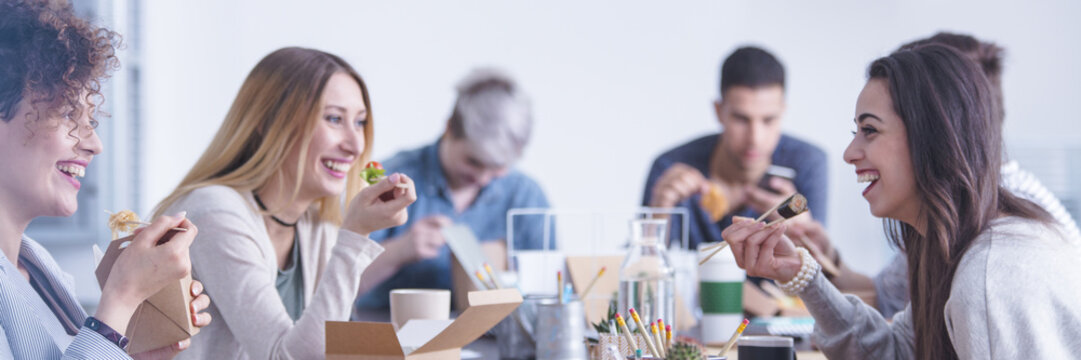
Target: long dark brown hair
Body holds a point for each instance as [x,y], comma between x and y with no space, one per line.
[948,109]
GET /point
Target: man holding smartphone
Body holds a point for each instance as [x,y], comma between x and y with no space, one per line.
[751,162]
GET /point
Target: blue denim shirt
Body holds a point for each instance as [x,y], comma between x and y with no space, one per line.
[811,180]
[486,216]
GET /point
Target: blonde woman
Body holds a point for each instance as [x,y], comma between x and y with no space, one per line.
[275,249]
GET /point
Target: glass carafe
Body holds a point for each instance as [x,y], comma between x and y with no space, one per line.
[647,279]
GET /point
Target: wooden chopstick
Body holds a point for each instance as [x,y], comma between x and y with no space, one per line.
[144,223]
[711,246]
[719,248]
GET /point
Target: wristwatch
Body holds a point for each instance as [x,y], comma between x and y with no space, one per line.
[101,328]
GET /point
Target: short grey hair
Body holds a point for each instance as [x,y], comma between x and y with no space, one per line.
[493,115]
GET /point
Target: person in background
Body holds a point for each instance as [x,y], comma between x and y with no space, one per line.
[750,110]
[279,252]
[890,286]
[53,64]
[991,274]
[466,177]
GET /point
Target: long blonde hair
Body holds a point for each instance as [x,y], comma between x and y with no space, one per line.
[276,110]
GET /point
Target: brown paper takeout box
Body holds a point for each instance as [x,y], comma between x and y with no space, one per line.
[378,341]
[161,320]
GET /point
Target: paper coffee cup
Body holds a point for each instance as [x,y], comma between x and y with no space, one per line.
[720,282]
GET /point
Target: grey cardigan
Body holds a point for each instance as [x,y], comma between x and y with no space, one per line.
[233,257]
[1015,295]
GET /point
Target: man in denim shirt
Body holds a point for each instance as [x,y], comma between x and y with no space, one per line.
[465,177]
[736,161]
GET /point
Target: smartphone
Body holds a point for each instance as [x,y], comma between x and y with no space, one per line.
[783,172]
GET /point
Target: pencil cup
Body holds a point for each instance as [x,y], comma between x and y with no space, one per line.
[514,335]
[560,331]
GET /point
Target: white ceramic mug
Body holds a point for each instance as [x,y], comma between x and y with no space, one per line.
[409,304]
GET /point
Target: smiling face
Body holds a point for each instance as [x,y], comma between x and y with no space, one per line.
[337,141]
[880,153]
[43,159]
[751,118]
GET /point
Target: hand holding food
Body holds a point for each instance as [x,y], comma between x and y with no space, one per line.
[676,184]
[380,205]
[787,209]
[155,256]
[373,173]
[763,250]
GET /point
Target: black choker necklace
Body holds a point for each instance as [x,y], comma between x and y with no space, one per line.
[272,217]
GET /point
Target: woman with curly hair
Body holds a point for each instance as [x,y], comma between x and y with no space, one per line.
[992,276]
[51,67]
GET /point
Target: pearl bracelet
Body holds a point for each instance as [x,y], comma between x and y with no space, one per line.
[807,272]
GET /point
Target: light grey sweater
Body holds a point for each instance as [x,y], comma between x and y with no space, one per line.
[233,257]
[1016,295]
[891,284]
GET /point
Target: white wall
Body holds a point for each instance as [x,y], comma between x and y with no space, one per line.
[614,82]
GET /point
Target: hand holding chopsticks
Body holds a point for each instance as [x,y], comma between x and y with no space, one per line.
[794,205]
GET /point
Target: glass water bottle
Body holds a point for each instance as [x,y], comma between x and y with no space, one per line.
[647,279]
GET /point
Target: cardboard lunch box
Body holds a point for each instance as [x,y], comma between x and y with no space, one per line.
[161,320]
[378,341]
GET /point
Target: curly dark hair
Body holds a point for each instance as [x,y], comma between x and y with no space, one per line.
[52,58]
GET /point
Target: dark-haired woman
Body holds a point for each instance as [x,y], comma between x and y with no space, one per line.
[992,276]
[51,63]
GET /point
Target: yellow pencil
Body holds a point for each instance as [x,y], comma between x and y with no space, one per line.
[559,289]
[668,336]
[480,276]
[626,331]
[657,337]
[735,336]
[645,332]
[491,274]
[591,283]
[660,336]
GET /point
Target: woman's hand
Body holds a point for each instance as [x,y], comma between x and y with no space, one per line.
[199,302]
[144,268]
[371,209]
[762,251]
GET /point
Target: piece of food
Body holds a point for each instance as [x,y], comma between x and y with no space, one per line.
[373,172]
[715,203]
[795,205]
[123,221]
